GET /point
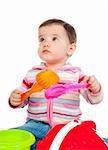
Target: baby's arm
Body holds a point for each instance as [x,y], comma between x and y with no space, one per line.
[94,94]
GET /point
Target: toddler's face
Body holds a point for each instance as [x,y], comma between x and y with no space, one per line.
[53,44]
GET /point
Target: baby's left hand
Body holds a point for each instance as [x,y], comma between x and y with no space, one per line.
[94,83]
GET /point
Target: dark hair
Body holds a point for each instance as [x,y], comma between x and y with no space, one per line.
[68,28]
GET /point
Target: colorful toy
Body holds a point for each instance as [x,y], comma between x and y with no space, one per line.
[44,80]
[14,139]
[60,89]
[106,140]
[73,136]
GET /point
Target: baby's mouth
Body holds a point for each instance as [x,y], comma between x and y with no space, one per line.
[45,51]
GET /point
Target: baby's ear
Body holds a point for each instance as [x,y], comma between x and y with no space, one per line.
[71,49]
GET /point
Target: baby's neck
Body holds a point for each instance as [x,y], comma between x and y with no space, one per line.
[55,66]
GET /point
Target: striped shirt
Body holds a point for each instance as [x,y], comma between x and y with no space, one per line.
[62,109]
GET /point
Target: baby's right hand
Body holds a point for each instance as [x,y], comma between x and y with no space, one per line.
[15,98]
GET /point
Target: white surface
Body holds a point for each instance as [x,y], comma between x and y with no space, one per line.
[19,21]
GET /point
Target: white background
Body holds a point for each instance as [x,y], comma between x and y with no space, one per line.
[19,21]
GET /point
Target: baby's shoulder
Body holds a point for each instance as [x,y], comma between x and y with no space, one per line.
[36,68]
[73,69]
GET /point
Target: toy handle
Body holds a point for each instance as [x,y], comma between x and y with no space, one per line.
[35,88]
[59,89]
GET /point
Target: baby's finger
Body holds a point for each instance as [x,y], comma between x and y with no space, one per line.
[15,100]
[17,91]
[16,96]
[91,80]
[85,79]
[16,103]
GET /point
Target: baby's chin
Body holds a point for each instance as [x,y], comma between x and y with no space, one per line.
[48,59]
[50,62]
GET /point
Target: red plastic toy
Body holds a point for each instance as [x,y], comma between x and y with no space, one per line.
[81,136]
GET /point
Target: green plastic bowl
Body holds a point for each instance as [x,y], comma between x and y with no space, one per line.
[15,139]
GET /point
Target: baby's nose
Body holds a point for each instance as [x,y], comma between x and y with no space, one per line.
[46,44]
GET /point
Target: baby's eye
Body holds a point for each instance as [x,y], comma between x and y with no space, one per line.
[54,38]
[41,39]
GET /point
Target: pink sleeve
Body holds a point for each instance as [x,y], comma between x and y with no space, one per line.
[81,76]
[93,98]
[26,82]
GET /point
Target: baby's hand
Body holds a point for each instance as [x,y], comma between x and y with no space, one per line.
[94,83]
[15,98]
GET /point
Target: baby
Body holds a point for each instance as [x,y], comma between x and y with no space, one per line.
[57,42]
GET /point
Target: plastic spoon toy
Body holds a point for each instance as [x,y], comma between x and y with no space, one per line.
[59,89]
[44,80]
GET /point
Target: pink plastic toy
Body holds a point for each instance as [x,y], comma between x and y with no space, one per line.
[60,89]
